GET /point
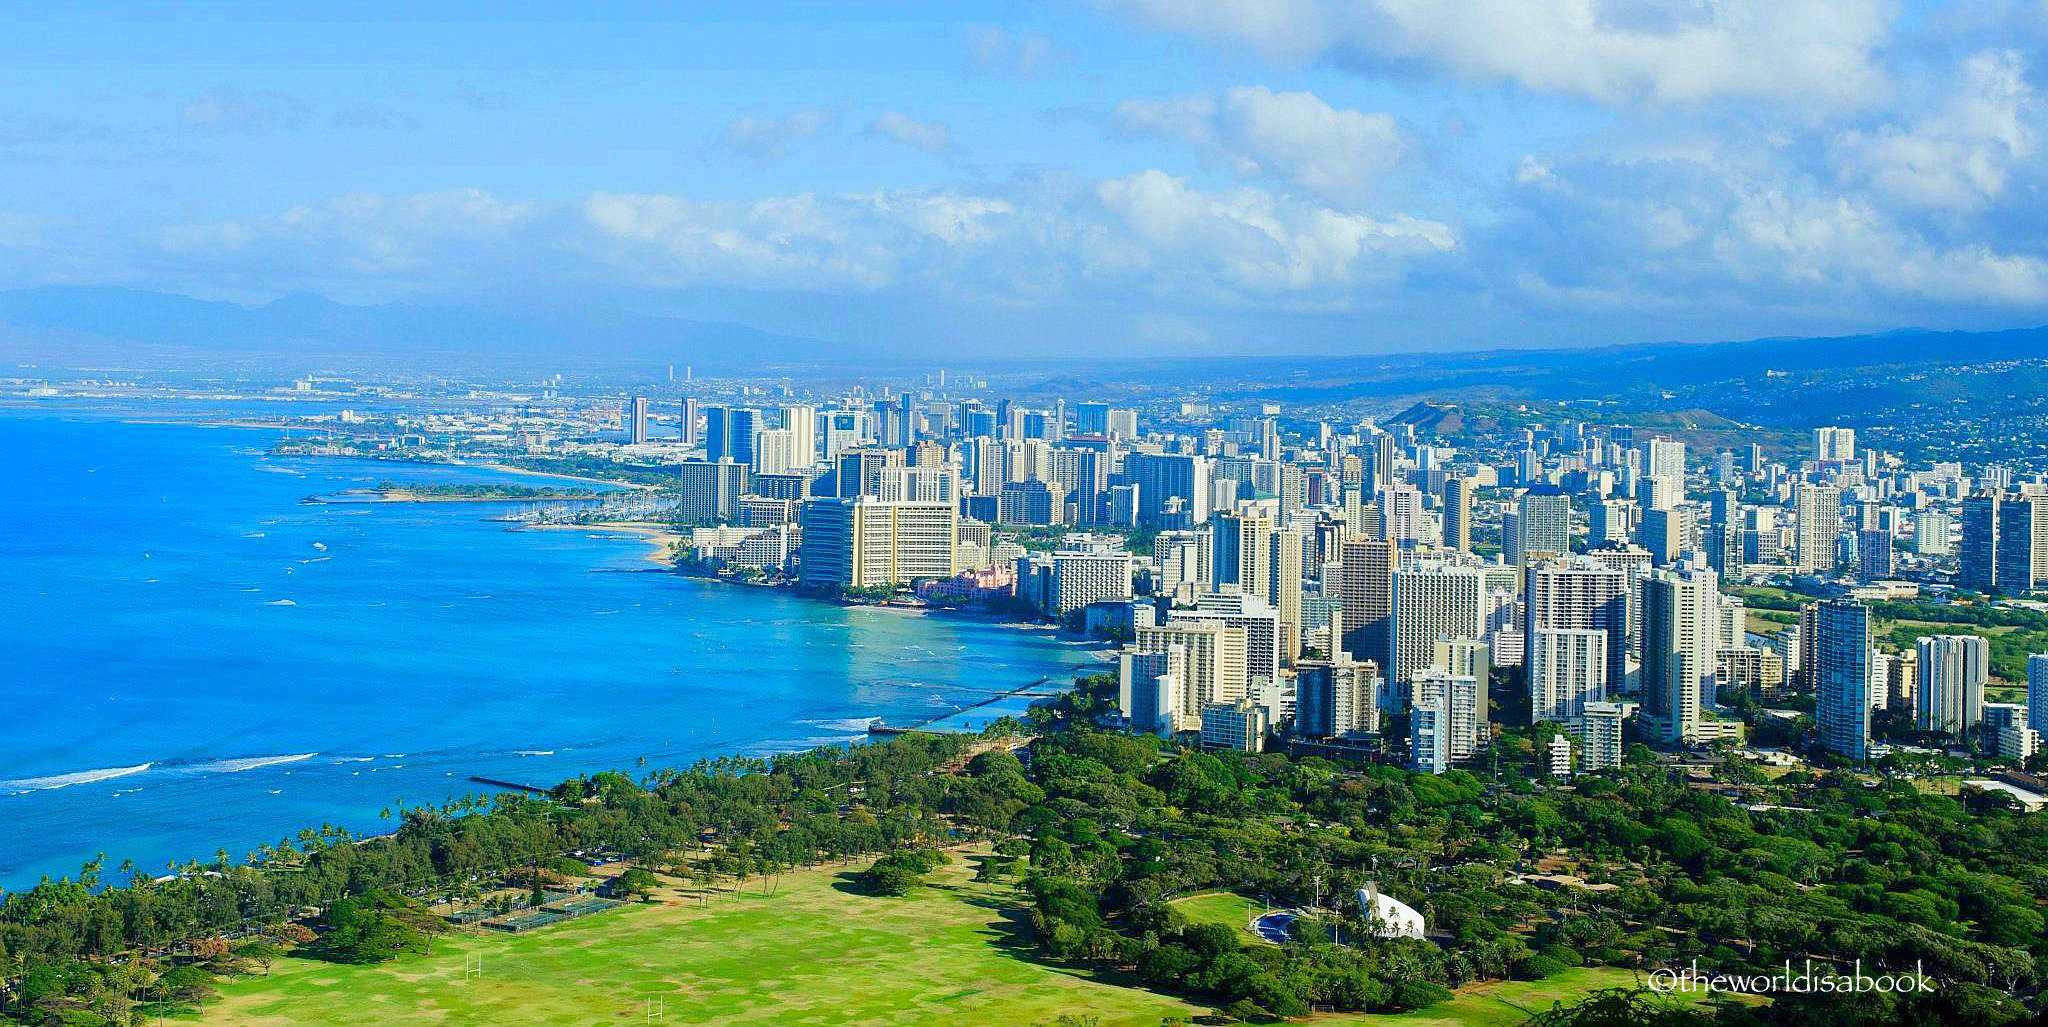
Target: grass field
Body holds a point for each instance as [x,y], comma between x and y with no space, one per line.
[1227,908]
[811,953]
[1506,1003]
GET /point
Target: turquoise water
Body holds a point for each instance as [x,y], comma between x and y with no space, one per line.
[195,660]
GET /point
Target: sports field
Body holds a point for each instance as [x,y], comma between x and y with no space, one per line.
[811,953]
[1221,907]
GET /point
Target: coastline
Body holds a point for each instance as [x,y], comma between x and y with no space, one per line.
[661,538]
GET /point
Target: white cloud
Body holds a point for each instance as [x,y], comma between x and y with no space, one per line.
[769,139]
[1295,136]
[1254,241]
[1805,53]
[365,235]
[929,136]
[1959,155]
[1743,231]
[1024,54]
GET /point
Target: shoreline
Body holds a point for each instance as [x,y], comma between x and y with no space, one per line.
[660,537]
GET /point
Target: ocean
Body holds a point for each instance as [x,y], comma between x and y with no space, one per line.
[195,660]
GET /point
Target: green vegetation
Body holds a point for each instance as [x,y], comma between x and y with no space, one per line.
[484,491]
[1226,908]
[898,872]
[1110,860]
[808,949]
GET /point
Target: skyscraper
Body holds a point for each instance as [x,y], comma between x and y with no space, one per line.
[1458,513]
[1432,602]
[1681,635]
[729,432]
[709,490]
[1173,488]
[1336,698]
[636,424]
[1543,524]
[801,421]
[691,414]
[2022,543]
[1590,593]
[1949,697]
[1834,445]
[1842,677]
[1567,669]
[1364,588]
[1820,520]
[2037,692]
[1977,558]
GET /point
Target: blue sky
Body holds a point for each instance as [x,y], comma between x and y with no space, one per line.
[1132,175]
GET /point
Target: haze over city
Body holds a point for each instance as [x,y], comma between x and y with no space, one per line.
[1280,176]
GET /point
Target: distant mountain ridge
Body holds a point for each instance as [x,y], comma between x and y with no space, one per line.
[97,323]
[306,326]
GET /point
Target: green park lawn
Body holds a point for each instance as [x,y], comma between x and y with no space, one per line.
[812,952]
[1221,907]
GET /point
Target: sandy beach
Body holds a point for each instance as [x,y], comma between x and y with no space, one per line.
[661,538]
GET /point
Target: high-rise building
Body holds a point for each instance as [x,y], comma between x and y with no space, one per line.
[1364,587]
[1600,736]
[1834,445]
[1091,418]
[1949,697]
[1432,602]
[1613,523]
[1152,687]
[691,414]
[2023,543]
[1931,533]
[1082,578]
[2037,692]
[1977,559]
[1458,697]
[636,421]
[1213,658]
[1874,558]
[729,433]
[1665,458]
[1842,677]
[864,542]
[1173,488]
[1287,557]
[1567,668]
[1680,637]
[1584,593]
[1401,516]
[1241,553]
[1665,533]
[1457,501]
[710,490]
[1472,658]
[1239,726]
[1250,614]
[801,421]
[773,452]
[1336,698]
[1543,524]
[1429,735]
[1819,508]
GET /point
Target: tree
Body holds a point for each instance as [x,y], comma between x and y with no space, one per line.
[637,883]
